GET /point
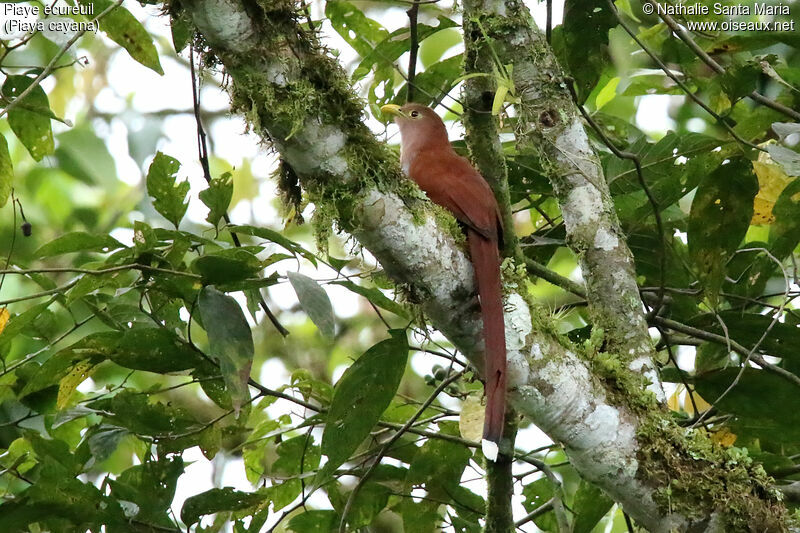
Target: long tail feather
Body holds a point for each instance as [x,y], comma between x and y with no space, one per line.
[486,260]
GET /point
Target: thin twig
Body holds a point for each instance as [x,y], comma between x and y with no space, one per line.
[678,81]
[50,66]
[412,13]
[202,149]
[443,385]
[684,36]
[622,154]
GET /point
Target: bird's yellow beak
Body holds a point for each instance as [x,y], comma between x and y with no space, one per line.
[392,109]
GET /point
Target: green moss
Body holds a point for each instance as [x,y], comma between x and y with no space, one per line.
[699,477]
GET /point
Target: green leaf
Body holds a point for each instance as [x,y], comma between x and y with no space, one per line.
[182,31]
[6,171]
[314,522]
[228,265]
[168,197]
[765,405]
[123,28]
[361,396]
[585,21]
[747,329]
[537,494]
[435,80]
[314,301]
[439,464]
[784,234]
[590,506]
[721,212]
[672,167]
[135,412]
[277,238]
[230,341]
[218,197]
[78,241]
[151,486]
[396,44]
[368,503]
[216,500]
[84,155]
[150,349]
[375,296]
[359,31]
[30,118]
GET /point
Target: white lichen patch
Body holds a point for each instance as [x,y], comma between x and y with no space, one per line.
[583,206]
[517,321]
[605,240]
[517,369]
[225,23]
[602,426]
[536,351]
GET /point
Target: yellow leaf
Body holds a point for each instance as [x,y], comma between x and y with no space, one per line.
[70,382]
[724,437]
[702,405]
[771,182]
[674,402]
[470,423]
[4,316]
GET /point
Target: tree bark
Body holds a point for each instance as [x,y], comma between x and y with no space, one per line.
[613,429]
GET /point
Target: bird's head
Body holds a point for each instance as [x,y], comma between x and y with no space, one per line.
[418,124]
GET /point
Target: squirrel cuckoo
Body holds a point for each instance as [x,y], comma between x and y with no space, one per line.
[450,181]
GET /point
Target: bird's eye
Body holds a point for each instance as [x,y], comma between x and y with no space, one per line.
[414,114]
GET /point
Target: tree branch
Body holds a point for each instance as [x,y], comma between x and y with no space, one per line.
[298,97]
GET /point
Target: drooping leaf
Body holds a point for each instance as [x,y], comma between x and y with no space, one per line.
[217,500]
[591,504]
[362,394]
[230,341]
[122,27]
[168,195]
[78,241]
[30,117]
[182,30]
[314,301]
[6,171]
[585,21]
[85,156]
[721,212]
[217,197]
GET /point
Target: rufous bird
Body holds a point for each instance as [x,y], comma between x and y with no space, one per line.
[452,182]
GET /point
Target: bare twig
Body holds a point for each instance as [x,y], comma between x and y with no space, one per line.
[684,36]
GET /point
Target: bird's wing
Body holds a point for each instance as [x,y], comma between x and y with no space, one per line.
[450,181]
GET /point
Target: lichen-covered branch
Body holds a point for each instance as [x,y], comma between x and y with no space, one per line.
[295,96]
[550,127]
[482,132]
